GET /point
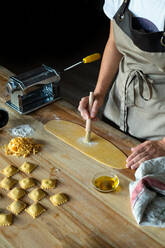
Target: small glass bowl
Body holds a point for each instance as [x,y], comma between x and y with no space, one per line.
[105,182]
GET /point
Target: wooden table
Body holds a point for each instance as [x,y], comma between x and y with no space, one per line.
[89,219]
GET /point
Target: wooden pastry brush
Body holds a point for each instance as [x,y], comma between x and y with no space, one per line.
[89,121]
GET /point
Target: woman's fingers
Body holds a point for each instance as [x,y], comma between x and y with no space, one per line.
[95,108]
[83,107]
[145,151]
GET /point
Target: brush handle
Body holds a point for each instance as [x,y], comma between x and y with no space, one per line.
[88,121]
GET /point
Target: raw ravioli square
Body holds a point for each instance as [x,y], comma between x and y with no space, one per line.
[27,167]
[58,199]
[17,207]
[16,193]
[9,170]
[35,210]
[7,183]
[27,183]
[37,194]
[6,219]
[48,183]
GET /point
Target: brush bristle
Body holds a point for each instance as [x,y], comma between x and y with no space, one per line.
[87,137]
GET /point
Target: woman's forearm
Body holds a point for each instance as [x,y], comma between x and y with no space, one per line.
[109,66]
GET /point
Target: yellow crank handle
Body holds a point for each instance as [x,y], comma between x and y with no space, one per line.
[91,58]
[88,59]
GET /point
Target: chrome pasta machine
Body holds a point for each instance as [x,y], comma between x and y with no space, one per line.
[36,88]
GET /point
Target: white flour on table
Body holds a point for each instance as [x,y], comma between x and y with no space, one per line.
[22,131]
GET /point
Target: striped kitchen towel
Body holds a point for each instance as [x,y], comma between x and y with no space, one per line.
[147,193]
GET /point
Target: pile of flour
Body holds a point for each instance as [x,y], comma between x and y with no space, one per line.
[22,131]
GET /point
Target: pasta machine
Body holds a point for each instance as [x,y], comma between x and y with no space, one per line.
[38,87]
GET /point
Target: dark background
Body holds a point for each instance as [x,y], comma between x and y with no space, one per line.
[56,33]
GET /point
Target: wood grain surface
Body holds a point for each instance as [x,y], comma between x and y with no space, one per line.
[89,219]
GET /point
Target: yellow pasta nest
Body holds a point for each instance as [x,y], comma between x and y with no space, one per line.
[22,147]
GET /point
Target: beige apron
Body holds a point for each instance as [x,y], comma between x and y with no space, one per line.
[137,99]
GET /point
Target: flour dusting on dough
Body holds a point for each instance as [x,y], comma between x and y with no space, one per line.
[82,141]
[56,117]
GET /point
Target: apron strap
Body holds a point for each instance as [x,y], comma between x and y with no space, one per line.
[134,79]
[122,9]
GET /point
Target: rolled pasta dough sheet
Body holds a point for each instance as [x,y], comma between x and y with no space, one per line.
[98,149]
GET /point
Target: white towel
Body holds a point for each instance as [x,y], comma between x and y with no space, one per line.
[147,193]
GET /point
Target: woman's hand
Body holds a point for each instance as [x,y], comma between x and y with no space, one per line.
[83,106]
[145,151]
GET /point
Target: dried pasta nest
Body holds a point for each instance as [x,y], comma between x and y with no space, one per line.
[22,147]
